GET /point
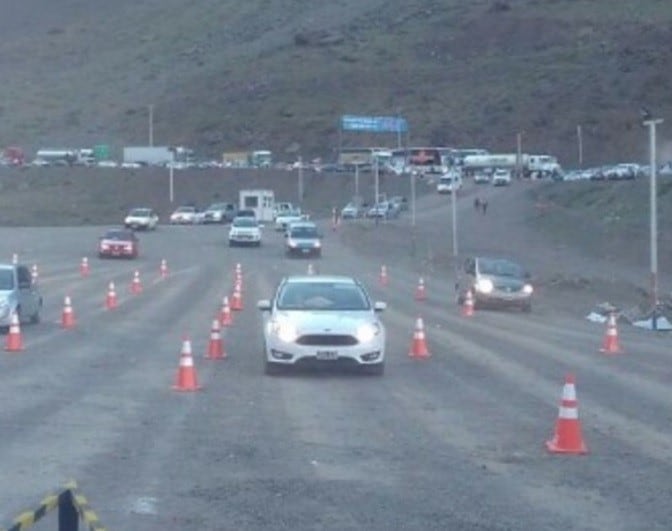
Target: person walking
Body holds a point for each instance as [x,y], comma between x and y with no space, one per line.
[484,206]
[477,204]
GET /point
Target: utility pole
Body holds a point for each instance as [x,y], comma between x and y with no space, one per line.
[579,137]
[651,124]
[300,162]
[377,180]
[151,125]
[357,182]
[519,155]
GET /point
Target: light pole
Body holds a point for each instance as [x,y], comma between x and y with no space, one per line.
[453,203]
[413,247]
[579,137]
[300,184]
[171,183]
[519,155]
[357,182]
[376,170]
[151,125]
[651,124]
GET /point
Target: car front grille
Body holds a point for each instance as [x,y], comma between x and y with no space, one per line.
[327,340]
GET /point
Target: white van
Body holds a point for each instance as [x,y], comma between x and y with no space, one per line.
[449,182]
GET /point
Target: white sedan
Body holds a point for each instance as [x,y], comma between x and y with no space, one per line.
[185,215]
[244,231]
[141,219]
[323,320]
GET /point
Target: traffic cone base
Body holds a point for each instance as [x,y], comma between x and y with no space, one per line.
[186,379]
[163,269]
[567,438]
[14,338]
[419,344]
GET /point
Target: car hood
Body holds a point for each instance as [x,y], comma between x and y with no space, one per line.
[320,322]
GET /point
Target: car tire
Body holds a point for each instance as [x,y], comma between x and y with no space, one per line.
[272,369]
[376,369]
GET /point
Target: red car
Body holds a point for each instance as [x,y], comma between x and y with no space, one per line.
[118,243]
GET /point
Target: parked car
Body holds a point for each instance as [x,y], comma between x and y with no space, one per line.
[118,243]
[185,215]
[303,238]
[219,213]
[245,231]
[18,295]
[351,211]
[501,177]
[324,320]
[481,177]
[141,219]
[400,202]
[495,282]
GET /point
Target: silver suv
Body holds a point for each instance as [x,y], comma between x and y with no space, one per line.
[18,294]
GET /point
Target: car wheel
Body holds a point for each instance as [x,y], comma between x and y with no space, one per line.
[376,369]
[272,369]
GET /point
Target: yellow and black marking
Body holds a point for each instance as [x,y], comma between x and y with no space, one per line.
[69,496]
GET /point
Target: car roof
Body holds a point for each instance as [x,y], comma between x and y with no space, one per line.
[302,224]
[316,279]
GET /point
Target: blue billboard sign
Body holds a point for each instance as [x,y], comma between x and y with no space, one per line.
[374,124]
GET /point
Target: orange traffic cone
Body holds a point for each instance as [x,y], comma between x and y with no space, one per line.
[111,298]
[610,343]
[34,274]
[420,294]
[136,285]
[14,339]
[311,269]
[84,267]
[419,343]
[468,305]
[239,270]
[186,379]
[225,317]
[237,299]
[163,269]
[216,344]
[384,280]
[567,438]
[68,316]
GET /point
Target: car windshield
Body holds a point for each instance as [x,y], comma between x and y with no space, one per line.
[303,232]
[501,268]
[332,296]
[245,222]
[217,206]
[140,212]
[6,279]
[118,235]
[186,209]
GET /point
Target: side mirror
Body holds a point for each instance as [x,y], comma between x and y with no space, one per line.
[264,305]
[379,306]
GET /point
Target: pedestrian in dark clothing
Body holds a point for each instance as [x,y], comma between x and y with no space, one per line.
[477,203]
[484,206]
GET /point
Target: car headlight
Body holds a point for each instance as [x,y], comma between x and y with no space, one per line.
[284,330]
[367,332]
[318,244]
[528,289]
[485,285]
[291,243]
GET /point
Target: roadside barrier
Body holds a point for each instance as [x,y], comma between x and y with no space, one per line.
[72,507]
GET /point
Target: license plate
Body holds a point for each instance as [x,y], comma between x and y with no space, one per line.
[327,354]
[305,251]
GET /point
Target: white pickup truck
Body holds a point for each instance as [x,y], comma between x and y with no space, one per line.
[283,219]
